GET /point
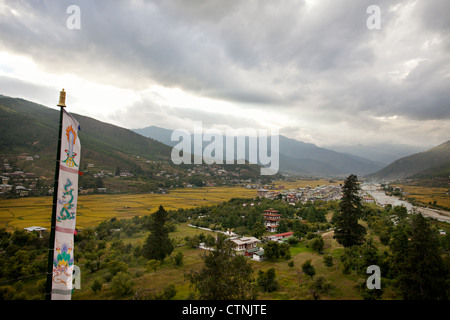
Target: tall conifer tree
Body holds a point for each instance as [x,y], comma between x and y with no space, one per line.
[348,231]
[420,270]
[158,244]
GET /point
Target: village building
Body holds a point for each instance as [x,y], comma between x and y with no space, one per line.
[5,179]
[21,191]
[261,193]
[245,243]
[39,230]
[4,188]
[258,254]
[126,174]
[280,236]
[272,219]
[291,199]
[249,247]
[368,199]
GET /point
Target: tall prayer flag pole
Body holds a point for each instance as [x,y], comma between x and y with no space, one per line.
[51,248]
[65,196]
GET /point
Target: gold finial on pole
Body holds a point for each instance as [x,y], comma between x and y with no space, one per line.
[62,99]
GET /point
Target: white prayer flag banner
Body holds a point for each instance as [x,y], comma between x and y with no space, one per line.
[66,208]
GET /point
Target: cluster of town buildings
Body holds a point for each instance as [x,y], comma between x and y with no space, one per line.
[324,192]
[17,181]
[303,195]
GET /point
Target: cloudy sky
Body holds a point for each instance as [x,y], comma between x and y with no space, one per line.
[312,69]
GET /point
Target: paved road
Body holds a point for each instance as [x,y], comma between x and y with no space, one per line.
[382,199]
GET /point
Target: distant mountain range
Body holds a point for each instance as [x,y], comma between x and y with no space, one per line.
[30,128]
[430,164]
[296,157]
[385,153]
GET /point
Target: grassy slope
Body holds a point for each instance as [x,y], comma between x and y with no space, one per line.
[289,278]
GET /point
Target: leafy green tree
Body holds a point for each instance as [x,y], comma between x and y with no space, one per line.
[197,181]
[179,259]
[300,229]
[328,260]
[168,293]
[308,268]
[366,293]
[369,254]
[192,242]
[158,244]
[400,211]
[19,265]
[121,283]
[314,214]
[317,243]
[293,241]
[399,247]
[224,276]
[115,266]
[272,250]
[348,231]
[96,285]
[319,287]
[152,264]
[285,251]
[267,281]
[210,241]
[92,265]
[258,229]
[282,226]
[137,250]
[21,237]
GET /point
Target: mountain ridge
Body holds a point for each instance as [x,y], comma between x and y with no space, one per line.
[296,157]
[431,163]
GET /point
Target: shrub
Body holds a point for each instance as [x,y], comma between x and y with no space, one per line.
[308,268]
[121,283]
[328,260]
[96,285]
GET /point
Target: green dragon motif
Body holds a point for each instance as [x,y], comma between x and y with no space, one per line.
[67,206]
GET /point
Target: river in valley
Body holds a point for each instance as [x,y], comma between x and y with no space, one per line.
[382,199]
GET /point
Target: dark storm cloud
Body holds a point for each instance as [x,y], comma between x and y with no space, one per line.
[287,56]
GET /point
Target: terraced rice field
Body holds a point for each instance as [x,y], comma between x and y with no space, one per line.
[92,209]
[427,195]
